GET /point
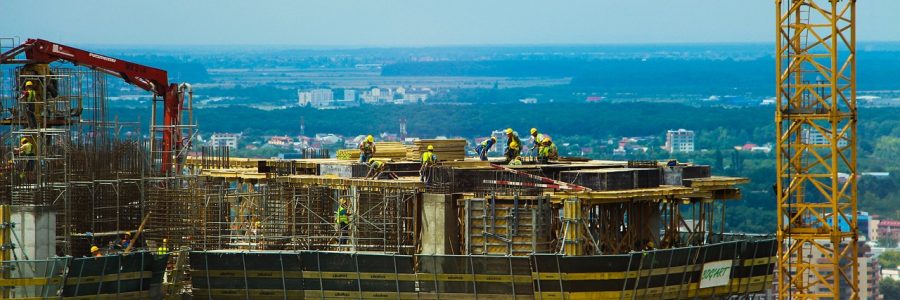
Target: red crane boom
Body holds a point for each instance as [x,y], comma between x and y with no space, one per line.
[145,77]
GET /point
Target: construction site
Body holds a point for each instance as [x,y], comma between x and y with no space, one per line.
[170,220]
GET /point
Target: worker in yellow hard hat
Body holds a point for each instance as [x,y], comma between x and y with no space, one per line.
[28,100]
[376,167]
[428,160]
[95,251]
[547,151]
[536,139]
[342,219]
[26,151]
[485,146]
[367,149]
[513,145]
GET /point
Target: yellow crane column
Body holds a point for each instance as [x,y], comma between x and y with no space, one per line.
[816,159]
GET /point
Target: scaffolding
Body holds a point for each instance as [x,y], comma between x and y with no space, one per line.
[280,214]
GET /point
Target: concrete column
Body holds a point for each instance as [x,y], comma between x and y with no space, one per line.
[35,232]
[440,228]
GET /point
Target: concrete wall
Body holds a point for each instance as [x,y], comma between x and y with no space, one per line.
[440,231]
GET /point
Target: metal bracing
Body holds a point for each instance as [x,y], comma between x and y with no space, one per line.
[816,159]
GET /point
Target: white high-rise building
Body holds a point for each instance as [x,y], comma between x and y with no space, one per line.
[229,140]
[317,98]
[680,140]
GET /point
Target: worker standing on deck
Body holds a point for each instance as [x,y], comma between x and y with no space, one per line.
[485,146]
[537,140]
[547,151]
[513,145]
[428,160]
[342,219]
[367,149]
[28,101]
[376,167]
[26,150]
[95,251]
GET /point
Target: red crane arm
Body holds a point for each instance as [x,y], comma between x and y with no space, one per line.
[147,78]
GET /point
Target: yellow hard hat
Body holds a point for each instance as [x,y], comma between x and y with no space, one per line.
[533,130]
[371,160]
[494,139]
[430,147]
[29,83]
[509,131]
[165,240]
[370,138]
[23,140]
[94,249]
[128,233]
[513,144]
[546,140]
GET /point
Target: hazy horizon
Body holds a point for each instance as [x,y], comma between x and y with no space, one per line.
[413,23]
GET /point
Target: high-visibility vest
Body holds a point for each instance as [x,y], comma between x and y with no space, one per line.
[428,157]
[341,216]
[162,250]
[30,95]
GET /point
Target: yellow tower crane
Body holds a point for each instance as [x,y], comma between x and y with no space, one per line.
[816,159]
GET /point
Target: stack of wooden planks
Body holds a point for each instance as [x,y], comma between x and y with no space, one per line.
[389,150]
[444,149]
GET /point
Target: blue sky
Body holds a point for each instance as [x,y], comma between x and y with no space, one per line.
[412,22]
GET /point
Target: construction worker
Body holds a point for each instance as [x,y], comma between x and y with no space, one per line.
[367,149]
[27,151]
[513,145]
[547,151]
[428,160]
[376,167]
[163,248]
[28,100]
[126,240]
[537,140]
[485,146]
[95,251]
[342,219]
[517,161]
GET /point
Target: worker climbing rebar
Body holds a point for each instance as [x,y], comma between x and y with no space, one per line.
[26,150]
[28,100]
[342,220]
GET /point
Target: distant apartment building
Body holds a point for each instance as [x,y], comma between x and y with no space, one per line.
[815,137]
[889,229]
[680,140]
[317,98]
[229,140]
